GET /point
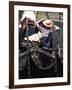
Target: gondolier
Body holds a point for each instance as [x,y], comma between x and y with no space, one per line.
[47,29]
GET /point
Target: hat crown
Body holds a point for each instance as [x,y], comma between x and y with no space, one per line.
[48,23]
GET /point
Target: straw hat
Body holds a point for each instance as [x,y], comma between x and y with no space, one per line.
[49,23]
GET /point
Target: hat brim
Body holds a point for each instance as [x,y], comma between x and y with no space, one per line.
[50,23]
[56,27]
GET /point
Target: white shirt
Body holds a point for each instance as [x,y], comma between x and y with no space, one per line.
[29,14]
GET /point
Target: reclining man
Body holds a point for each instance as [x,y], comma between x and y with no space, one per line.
[44,31]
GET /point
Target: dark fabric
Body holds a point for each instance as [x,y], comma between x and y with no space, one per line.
[35,71]
[38,61]
[55,39]
[23,33]
[52,41]
[47,41]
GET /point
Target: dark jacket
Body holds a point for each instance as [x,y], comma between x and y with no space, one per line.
[52,41]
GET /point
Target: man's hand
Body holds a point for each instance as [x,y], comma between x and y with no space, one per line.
[37,22]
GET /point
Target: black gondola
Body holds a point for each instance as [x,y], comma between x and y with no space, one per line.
[38,62]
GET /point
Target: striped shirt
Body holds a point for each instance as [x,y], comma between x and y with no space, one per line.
[44,32]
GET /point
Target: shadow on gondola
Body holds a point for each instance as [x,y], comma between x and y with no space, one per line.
[39,65]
